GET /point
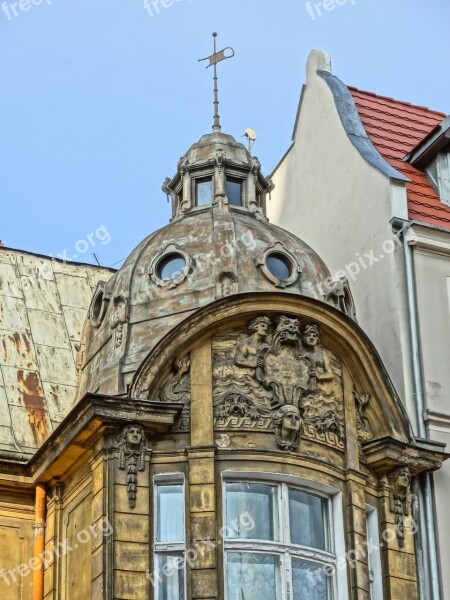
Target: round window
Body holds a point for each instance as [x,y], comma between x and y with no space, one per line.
[279,265]
[97,309]
[170,266]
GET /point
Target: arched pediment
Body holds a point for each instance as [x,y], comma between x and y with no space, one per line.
[348,366]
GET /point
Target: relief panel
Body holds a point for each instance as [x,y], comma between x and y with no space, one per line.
[277,376]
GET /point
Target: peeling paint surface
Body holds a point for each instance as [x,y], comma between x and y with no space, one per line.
[43,306]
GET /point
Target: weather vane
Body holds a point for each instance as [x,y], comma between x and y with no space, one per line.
[213,60]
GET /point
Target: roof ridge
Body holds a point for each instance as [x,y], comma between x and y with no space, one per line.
[390,99]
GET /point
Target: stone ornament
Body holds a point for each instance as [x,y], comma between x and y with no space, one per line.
[223,441]
[118,320]
[287,422]
[338,294]
[363,426]
[177,388]
[278,377]
[132,457]
[399,498]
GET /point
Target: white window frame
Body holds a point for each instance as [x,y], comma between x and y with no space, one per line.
[162,548]
[373,555]
[287,550]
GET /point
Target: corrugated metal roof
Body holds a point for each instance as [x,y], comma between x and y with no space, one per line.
[395,128]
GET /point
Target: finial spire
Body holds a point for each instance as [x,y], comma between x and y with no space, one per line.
[215,58]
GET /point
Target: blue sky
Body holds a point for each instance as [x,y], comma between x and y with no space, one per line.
[99,99]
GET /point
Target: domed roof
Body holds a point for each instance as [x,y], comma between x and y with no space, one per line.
[208,251]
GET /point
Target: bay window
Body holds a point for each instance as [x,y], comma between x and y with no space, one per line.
[278,543]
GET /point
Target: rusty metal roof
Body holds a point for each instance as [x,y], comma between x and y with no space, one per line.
[43,305]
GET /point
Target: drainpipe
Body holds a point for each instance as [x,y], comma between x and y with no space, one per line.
[39,542]
[427,488]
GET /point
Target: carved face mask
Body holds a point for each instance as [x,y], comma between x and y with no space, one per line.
[134,436]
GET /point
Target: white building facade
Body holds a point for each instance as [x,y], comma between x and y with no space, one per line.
[366,183]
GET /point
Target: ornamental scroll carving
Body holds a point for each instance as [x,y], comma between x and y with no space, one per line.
[277,376]
[132,457]
[399,499]
[363,427]
[177,388]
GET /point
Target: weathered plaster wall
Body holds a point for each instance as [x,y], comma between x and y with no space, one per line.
[43,305]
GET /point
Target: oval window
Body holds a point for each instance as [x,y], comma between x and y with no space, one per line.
[97,309]
[279,265]
[170,267]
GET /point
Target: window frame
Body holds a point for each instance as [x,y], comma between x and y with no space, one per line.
[373,554]
[203,178]
[287,551]
[230,178]
[166,548]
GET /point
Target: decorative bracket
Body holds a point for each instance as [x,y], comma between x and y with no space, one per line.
[131,445]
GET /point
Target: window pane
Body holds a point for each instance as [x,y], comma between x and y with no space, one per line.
[253,577]
[234,192]
[279,265]
[170,521]
[309,582]
[170,266]
[204,192]
[252,511]
[170,576]
[307,519]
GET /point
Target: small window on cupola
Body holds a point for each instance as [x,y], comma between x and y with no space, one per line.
[234,191]
[203,191]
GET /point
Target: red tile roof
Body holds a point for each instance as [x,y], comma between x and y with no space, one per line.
[395,128]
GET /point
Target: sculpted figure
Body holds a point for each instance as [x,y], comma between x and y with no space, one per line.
[118,319]
[287,334]
[317,357]
[287,422]
[177,387]
[400,481]
[248,347]
[132,457]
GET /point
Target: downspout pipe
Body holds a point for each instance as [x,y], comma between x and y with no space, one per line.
[401,227]
[39,542]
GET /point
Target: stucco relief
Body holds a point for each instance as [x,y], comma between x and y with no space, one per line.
[399,499]
[177,388]
[363,426]
[131,444]
[119,320]
[275,365]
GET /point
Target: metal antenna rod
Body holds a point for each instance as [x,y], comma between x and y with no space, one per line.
[216,122]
